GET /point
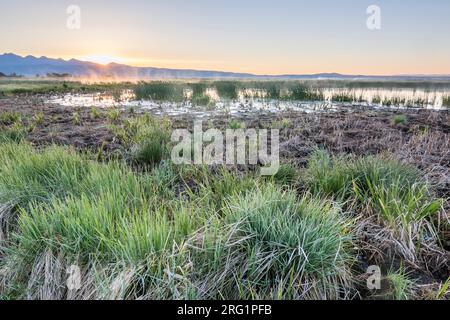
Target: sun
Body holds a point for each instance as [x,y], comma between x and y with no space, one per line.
[103,59]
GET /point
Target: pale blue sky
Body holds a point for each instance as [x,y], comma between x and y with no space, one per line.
[260,36]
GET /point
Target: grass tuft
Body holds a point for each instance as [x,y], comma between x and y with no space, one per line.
[235,125]
[227,89]
[149,138]
[400,285]
[9,118]
[446,101]
[15,133]
[400,119]
[390,190]
[160,91]
[287,175]
[274,245]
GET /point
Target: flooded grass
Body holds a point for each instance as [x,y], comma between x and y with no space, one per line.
[227,89]
[160,91]
[446,101]
[178,97]
[32,87]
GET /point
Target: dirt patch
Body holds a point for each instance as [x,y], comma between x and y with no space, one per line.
[62,125]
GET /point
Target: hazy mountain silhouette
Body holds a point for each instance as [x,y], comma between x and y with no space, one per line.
[31,66]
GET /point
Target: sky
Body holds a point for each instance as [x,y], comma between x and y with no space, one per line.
[256,36]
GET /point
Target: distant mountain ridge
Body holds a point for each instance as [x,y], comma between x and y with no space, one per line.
[31,66]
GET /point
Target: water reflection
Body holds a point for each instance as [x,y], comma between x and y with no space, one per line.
[254,101]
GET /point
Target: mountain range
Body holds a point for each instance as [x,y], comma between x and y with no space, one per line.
[31,66]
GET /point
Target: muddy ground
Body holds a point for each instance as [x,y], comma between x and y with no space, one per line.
[424,140]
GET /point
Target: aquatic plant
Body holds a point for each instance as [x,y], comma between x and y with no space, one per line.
[160,91]
[227,89]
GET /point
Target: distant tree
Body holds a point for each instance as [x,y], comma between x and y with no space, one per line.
[15,75]
[58,75]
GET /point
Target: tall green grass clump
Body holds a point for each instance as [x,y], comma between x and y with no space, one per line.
[94,114]
[15,133]
[265,89]
[9,118]
[27,175]
[391,190]
[107,220]
[229,239]
[38,118]
[272,245]
[199,96]
[400,285]
[227,89]
[287,175]
[113,115]
[68,209]
[235,124]
[301,92]
[446,101]
[150,139]
[199,89]
[160,91]
[215,189]
[273,91]
[344,97]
